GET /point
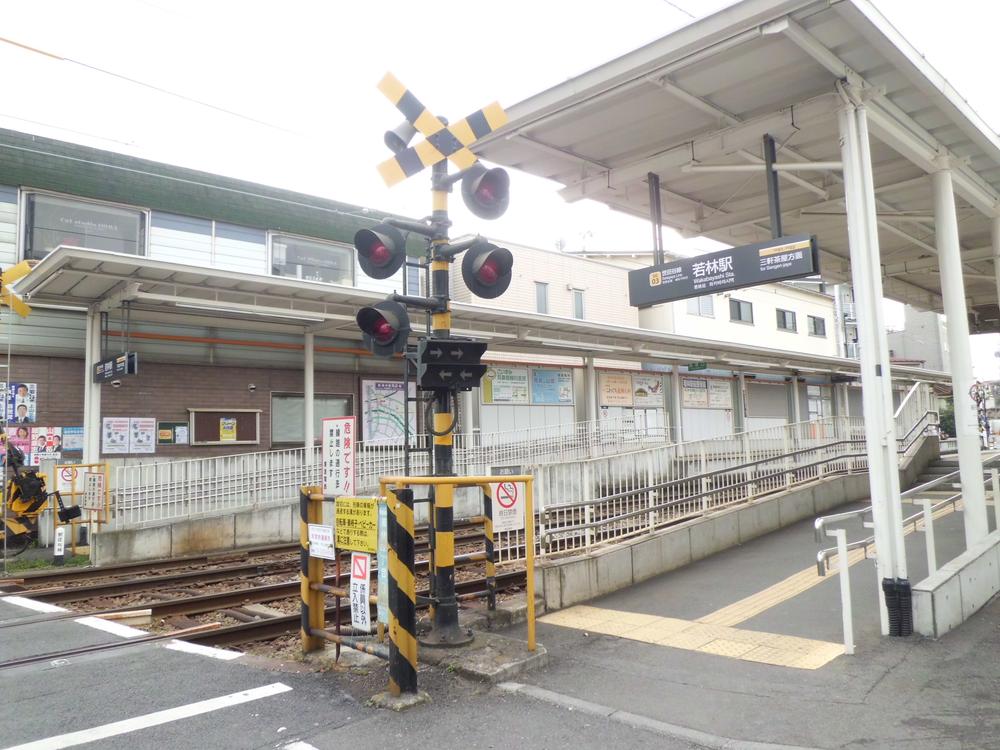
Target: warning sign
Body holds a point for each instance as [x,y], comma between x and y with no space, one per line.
[93,490]
[360,588]
[321,542]
[69,476]
[508,506]
[356,521]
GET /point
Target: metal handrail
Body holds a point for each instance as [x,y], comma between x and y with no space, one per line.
[902,404]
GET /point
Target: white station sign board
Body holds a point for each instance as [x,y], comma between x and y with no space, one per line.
[339,438]
[508,506]
[321,541]
[361,565]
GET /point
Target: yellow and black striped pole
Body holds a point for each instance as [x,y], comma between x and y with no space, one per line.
[310,570]
[402,594]
[491,564]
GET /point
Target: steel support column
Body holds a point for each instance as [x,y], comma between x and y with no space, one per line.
[91,390]
[590,389]
[995,236]
[676,407]
[970,462]
[309,396]
[866,277]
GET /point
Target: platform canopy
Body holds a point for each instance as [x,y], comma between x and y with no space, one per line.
[705,95]
[165,293]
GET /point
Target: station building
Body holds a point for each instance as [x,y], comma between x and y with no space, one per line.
[234,295]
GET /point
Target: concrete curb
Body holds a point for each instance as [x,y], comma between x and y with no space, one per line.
[675,731]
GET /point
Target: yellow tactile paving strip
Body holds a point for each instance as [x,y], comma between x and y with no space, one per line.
[747,645]
[792,586]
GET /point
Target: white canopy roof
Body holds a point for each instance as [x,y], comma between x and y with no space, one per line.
[707,93]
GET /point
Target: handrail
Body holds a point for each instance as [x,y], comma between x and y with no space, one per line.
[913,389]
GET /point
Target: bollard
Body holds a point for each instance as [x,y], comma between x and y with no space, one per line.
[310,571]
[491,567]
[402,595]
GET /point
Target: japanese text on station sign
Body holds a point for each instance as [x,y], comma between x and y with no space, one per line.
[356,521]
[339,438]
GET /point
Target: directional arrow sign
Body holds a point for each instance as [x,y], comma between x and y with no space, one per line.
[437,360]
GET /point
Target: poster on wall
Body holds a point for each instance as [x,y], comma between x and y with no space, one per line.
[615,388]
[383,411]
[171,433]
[46,444]
[720,394]
[21,402]
[647,391]
[72,444]
[694,393]
[551,386]
[114,435]
[504,385]
[142,435]
[20,436]
[227,429]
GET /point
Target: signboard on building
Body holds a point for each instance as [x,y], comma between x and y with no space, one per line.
[116,367]
[338,455]
[694,393]
[720,394]
[171,433]
[504,385]
[508,506]
[142,435]
[360,588]
[614,388]
[114,435]
[551,386]
[791,257]
[356,523]
[647,391]
[321,541]
[383,412]
[93,490]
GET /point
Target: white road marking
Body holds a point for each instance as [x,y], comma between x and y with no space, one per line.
[197,648]
[109,626]
[21,601]
[151,720]
[300,746]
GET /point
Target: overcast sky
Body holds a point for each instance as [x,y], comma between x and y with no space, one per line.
[284,93]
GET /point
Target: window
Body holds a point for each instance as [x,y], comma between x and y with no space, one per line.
[740,311]
[51,221]
[819,401]
[786,321]
[817,326]
[542,297]
[312,260]
[288,412]
[704,306]
[578,304]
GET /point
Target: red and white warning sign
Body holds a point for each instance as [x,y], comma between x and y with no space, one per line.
[508,506]
[360,590]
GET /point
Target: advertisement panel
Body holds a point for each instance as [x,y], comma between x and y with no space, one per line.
[720,394]
[551,386]
[694,393]
[615,388]
[647,391]
[505,385]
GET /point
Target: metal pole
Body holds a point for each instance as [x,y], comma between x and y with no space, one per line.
[995,486]
[970,462]
[91,390]
[309,396]
[676,408]
[402,595]
[844,570]
[929,535]
[864,264]
[771,177]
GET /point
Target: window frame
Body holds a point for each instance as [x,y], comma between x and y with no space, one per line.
[272,234]
[350,397]
[22,216]
[698,305]
[739,303]
[542,288]
[577,294]
[778,318]
[810,322]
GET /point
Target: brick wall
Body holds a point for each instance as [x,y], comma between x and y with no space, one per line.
[167,391]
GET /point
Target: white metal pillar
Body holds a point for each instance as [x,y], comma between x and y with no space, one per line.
[309,395]
[91,390]
[796,400]
[996,253]
[970,462]
[676,407]
[590,390]
[876,386]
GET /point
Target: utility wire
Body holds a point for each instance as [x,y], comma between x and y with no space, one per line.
[149,86]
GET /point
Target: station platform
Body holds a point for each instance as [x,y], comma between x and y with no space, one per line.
[747,645]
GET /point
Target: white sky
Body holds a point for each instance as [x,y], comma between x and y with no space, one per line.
[306,70]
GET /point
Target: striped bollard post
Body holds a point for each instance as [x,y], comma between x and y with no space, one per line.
[402,595]
[310,571]
[491,565]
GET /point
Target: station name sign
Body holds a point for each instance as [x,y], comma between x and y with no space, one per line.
[116,367]
[792,257]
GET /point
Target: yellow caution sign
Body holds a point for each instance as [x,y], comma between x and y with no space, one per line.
[356,524]
[442,141]
[7,297]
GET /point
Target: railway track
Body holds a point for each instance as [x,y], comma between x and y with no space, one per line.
[227,635]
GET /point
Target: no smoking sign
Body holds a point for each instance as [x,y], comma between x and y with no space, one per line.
[508,506]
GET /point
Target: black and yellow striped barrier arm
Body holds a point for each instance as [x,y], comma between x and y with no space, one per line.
[442,141]
[7,297]
[310,570]
[402,594]
[491,564]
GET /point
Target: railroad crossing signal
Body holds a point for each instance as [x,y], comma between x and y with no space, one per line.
[486,269]
[381,250]
[450,364]
[7,297]
[386,326]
